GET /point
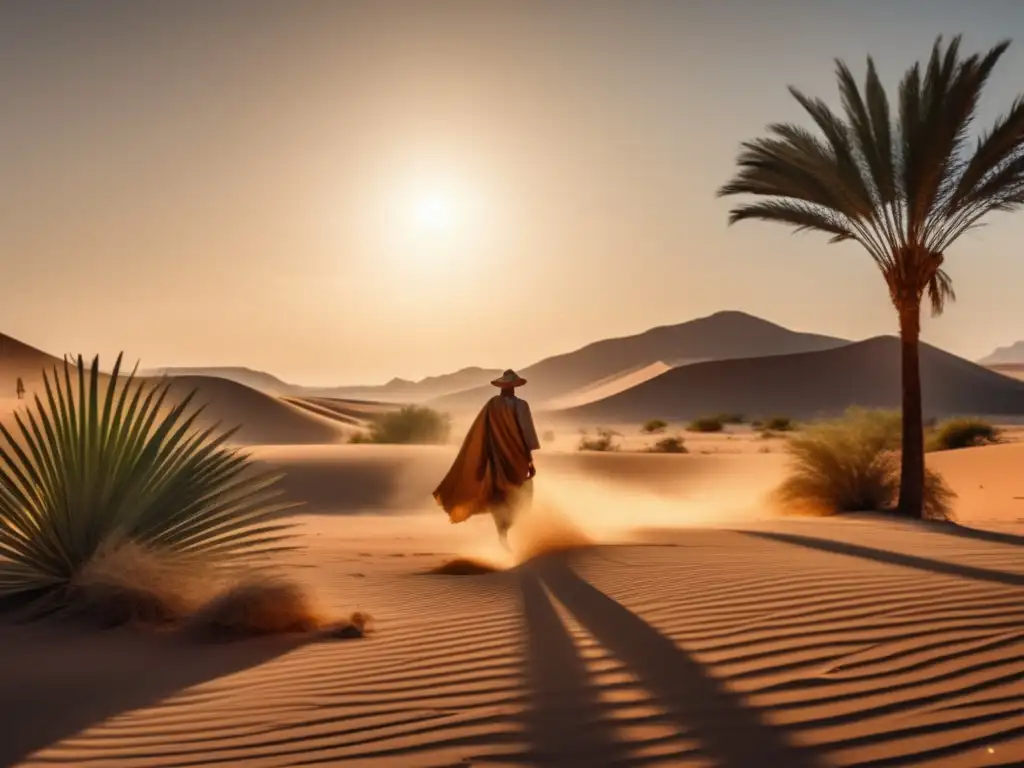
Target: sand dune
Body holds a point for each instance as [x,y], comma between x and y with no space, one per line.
[259,380]
[694,633]
[810,385]
[606,387]
[723,335]
[264,419]
[784,647]
[20,360]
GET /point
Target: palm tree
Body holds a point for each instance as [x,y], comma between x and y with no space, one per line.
[905,190]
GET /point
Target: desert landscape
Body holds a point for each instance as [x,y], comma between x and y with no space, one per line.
[386,384]
[655,609]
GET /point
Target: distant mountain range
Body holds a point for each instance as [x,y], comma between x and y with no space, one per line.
[727,361]
[809,385]
[723,335]
[1011,354]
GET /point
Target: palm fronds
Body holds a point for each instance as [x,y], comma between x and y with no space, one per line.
[105,461]
[904,191]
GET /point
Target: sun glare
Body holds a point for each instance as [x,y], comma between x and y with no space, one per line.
[434,213]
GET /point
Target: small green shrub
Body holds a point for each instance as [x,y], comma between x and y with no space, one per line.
[852,464]
[606,440]
[779,424]
[670,445]
[654,426]
[411,424]
[706,424]
[963,433]
[730,418]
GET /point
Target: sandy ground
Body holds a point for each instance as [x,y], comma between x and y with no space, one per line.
[686,625]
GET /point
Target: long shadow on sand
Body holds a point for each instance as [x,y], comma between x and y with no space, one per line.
[55,682]
[892,558]
[565,722]
[730,732]
[980,534]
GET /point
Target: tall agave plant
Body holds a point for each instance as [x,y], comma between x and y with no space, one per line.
[101,463]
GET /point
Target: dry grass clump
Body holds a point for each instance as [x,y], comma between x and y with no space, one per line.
[654,426]
[130,584]
[852,465]
[411,424]
[706,424]
[963,433]
[778,424]
[606,440]
[255,606]
[672,444]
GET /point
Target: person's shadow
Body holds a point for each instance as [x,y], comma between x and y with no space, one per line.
[564,721]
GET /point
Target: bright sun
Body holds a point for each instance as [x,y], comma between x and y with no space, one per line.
[434,212]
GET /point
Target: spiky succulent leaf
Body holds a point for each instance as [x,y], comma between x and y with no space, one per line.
[94,464]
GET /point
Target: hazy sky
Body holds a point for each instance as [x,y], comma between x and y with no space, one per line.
[342,192]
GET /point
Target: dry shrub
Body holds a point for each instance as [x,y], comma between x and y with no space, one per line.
[654,426]
[706,424]
[258,605]
[964,433]
[606,440]
[853,465]
[130,584]
[779,424]
[670,445]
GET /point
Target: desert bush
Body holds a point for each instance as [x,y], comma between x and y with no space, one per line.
[705,424]
[852,464]
[257,605]
[730,418]
[963,433]
[606,440]
[548,436]
[654,426]
[411,424]
[93,470]
[669,445]
[779,424]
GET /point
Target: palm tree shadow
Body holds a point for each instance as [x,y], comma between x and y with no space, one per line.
[59,683]
[730,732]
[892,558]
[564,722]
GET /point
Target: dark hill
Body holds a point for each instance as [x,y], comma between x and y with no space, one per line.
[808,385]
[723,335]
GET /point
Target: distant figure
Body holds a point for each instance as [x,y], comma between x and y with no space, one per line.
[494,469]
[20,388]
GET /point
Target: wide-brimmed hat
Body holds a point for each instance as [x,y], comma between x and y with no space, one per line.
[509,379]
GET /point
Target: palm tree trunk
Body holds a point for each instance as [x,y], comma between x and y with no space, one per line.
[911,502]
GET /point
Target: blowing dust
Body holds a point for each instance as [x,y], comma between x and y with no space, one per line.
[572,511]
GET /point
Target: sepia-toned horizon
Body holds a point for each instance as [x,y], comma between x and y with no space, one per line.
[346,193]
